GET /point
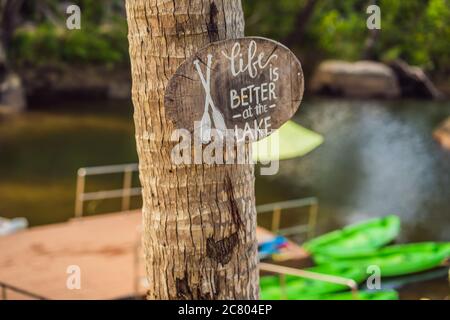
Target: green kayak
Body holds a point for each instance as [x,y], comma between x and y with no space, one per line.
[292,141]
[275,293]
[396,260]
[296,285]
[362,295]
[355,239]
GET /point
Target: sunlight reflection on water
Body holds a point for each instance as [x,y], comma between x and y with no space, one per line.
[378,158]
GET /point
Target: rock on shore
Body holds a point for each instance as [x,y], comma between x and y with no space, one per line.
[12,94]
[442,134]
[369,79]
[413,81]
[362,79]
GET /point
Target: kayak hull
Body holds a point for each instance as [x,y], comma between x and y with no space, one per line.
[277,294]
[355,239]
[397,260]
[305,286]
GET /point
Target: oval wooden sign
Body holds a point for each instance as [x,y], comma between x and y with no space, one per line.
[249,86]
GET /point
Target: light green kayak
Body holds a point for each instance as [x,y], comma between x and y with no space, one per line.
[396,260]
[297,285]
[275,293]
[291,140]
[355,239]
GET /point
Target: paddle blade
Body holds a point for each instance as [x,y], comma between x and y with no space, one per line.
[219,121]
[204,128]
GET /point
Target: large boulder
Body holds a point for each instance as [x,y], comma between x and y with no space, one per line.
[12,94]
[442,134]
[413,81]
[362,79]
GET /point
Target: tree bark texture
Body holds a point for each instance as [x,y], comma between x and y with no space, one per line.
[199,221]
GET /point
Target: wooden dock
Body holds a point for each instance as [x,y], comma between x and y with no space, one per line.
[36,260]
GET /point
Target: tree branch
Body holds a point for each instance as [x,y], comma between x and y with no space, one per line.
[301,20]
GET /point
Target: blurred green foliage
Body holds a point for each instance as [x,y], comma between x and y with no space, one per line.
[101,39]
[89,45]
[417,31]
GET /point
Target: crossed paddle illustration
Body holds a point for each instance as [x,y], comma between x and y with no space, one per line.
[204,126]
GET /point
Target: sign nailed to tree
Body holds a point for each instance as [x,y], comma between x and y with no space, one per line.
[249,86]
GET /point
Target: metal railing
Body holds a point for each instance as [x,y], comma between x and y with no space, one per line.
[5,287]
[277,207]
[125,193]
[282,271]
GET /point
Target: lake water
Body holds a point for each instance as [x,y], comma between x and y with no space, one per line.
[378,158]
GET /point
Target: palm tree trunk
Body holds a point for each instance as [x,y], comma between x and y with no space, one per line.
[199,221]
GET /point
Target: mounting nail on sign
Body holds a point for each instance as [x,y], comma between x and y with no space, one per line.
[248,87]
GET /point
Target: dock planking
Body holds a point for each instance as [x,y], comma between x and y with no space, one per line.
[103,246]
[39,260]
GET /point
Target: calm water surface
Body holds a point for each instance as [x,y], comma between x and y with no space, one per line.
[378,158]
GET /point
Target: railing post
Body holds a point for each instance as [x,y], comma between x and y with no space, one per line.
[284,292]
[276,217]
[138,260]
[81,176]
[352,284]
[312,220]
[127,182]
[3,292]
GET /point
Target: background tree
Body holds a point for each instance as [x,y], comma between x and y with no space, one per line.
[295,36]
[199,221]
[9,16]
[414,30]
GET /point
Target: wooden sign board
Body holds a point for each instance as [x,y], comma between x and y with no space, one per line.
[249,86]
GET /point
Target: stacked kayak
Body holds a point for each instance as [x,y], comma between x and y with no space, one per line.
[355,239]
[348,253]
[297,286]
[276,293]
[397,260]
[361,295]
